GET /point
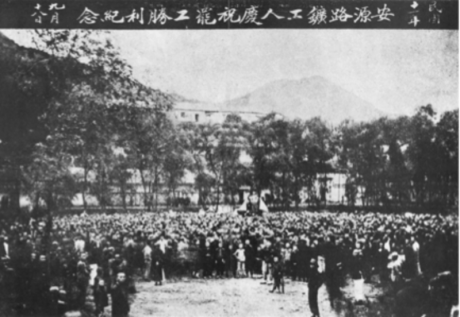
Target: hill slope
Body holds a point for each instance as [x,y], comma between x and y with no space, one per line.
[307,98]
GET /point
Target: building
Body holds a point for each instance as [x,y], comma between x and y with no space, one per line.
[201,113]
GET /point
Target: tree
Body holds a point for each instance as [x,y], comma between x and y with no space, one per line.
[233,141]
[447,139]
[177,160]
[363,157]
[319,149]
[422,153]
[76,77]
[262,151]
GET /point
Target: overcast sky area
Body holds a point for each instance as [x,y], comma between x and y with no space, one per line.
[395,70]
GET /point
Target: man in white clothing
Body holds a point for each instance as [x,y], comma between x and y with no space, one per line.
[147,252]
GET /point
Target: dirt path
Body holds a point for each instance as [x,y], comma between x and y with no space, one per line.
[226,297]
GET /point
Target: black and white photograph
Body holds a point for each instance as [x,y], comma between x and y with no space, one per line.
[230,158]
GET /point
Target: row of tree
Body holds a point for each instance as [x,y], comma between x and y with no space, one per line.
[77,122]
[406,160]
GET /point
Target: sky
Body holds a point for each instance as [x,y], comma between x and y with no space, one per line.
[394,70]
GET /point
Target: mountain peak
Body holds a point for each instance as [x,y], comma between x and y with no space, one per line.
[306,98]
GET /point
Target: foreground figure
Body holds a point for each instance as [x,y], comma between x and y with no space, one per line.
[278,275]
[120,297]
[314,283]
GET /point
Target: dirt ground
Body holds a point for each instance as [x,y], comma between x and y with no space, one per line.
[240,297]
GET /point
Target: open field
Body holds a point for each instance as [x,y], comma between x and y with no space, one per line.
[241,297]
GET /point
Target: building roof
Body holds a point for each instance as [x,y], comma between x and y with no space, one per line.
[210,107]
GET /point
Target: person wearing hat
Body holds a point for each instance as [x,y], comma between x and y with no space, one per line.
[315,281]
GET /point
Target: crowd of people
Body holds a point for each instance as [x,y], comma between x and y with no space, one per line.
[57,263]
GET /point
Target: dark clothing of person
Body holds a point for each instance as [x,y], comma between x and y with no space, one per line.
[333,271]
[120,300]
[250,259]
[278,276]
[100,296]
[356,267]
[158,265]
[230,262]
[303,261]
[314,283]
[219,261]
[82,285]
[158,271]
[208,262]
[295,267]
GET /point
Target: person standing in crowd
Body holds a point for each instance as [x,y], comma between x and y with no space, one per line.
[286,254]
[208,260]
[357,274]
[219,260]
[158,264]
[278,275]
[182,256]
[250,258]
[314,283]
[4,248]
[416,251]
[82,284]
[120,297]
[40,286]
[147,252]
[264,253]
[333,270]
[241,258]
[163,245]
[295,260]
[304,258]
[395,271]
[100,293]
[230,261]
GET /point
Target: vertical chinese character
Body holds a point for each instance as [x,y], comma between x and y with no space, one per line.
[383,14]
[88,17]
[250,16]
[38,14]
[414,20]
[340,15]
[55,8]
[204,17]
[295,14]
[435,13]
[159,16]
[271,12]
[182,15]
[228,16]
[317,15]
[363,15]
[112,16]
[136,16]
